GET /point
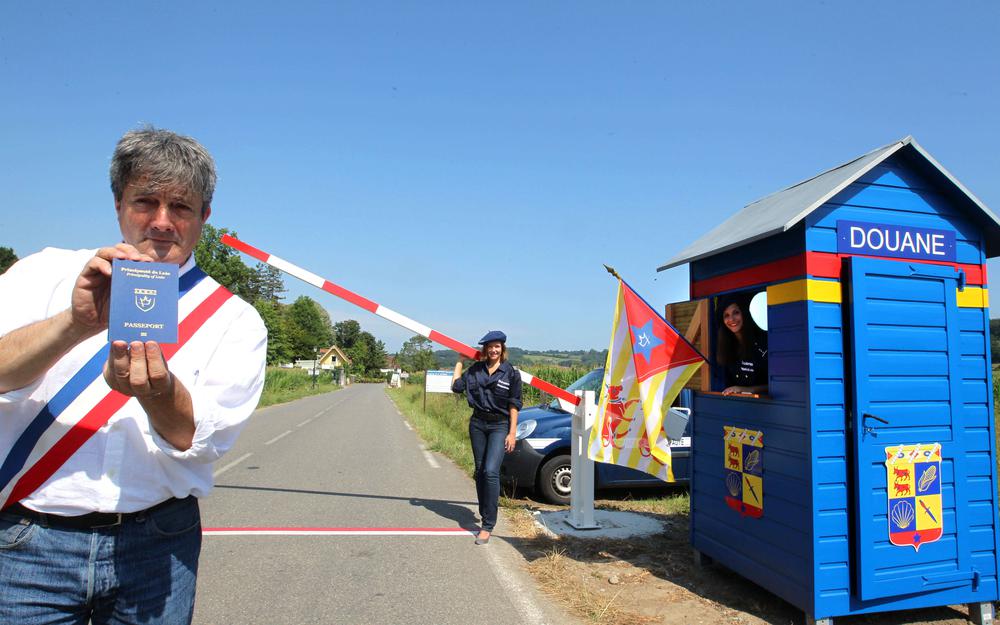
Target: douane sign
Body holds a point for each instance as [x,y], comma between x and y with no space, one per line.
[895,241]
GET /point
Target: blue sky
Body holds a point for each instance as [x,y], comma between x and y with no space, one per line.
[473,165]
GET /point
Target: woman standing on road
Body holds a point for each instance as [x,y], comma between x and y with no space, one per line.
[742,350]
[493,387]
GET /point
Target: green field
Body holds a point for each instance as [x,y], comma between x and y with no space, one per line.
[283,385]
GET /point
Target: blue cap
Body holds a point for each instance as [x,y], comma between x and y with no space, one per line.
[493,335]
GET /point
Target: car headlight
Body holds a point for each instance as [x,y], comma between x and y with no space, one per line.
[525,428]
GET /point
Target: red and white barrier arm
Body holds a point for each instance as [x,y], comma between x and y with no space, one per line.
[385,313]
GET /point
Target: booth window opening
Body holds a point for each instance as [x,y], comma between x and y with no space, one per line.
[739,354]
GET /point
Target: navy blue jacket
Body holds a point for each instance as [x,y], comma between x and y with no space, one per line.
[494,394]
[752,370]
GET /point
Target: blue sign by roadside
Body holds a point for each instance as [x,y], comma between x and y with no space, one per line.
[895,241]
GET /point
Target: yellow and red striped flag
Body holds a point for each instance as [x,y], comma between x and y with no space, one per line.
[648,364]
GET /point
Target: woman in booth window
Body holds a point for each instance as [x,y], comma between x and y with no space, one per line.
[742,349]
[493,388]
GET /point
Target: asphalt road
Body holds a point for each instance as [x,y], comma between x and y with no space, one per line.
[348,460]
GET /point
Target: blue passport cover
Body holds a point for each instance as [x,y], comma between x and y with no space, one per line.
[143,302]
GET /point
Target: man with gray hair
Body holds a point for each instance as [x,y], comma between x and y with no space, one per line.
[106,447]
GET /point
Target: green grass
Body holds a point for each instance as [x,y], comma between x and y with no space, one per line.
[444,426]
[284,385]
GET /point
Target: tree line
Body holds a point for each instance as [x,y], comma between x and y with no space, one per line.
[295,331]
[418,354]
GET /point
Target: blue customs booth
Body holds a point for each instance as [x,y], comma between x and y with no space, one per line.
[864,480]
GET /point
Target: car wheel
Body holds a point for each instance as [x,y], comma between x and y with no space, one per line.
[555,479]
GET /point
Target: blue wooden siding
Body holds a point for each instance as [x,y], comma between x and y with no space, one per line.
[893,194]
[779,554]
[772,248]
[801,549]
[773,551]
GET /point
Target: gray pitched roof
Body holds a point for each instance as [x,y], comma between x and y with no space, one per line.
[781,211]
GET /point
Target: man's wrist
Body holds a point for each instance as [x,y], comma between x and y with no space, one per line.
[73,331]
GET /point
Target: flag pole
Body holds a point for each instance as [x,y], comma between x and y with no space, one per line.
[612,271]
[386,313]
[581,495]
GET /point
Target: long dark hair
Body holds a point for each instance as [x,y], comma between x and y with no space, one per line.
[728,350]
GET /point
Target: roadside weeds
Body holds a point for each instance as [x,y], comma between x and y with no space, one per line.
[636,581]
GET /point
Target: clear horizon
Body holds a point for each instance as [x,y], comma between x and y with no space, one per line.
[473,167]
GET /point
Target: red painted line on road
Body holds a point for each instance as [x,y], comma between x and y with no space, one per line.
[336,531]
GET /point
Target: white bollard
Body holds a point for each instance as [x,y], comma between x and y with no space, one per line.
[581,497]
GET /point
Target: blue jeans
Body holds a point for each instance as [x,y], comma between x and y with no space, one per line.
[487,451]
[142,571]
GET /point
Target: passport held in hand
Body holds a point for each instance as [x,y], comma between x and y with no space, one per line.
[143,302]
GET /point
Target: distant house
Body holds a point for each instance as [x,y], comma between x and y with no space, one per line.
[331,358]
[392,366]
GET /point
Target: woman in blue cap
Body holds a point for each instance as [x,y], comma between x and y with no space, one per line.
[493,387]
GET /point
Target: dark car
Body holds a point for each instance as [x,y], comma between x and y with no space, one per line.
[541,462]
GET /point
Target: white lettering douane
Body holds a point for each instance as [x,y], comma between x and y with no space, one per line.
[937,247]
[907,243]
[855,233]
[871,239]
[924,241]
[892,246]
[892,240]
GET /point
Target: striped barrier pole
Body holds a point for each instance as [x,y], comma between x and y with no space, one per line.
[386,313]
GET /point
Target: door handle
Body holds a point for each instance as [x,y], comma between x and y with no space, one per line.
[867,428]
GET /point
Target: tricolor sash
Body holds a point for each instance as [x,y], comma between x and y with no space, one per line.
[41,450]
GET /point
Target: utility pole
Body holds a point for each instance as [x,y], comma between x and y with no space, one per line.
[315,362]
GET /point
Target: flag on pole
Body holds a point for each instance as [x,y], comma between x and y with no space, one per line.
[648,365]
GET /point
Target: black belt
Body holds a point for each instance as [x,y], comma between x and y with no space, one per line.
[89,521]
[490,416]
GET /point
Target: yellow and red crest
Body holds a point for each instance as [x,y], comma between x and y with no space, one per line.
[913,489]
[743,461]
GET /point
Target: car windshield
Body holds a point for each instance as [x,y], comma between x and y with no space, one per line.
[590,382]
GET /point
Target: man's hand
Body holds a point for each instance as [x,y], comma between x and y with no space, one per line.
[138,370]
[90,301]
[28,352]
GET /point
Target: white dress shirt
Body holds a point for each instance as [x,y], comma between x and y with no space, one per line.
[126,466]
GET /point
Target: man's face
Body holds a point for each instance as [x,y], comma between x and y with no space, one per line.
[163,222]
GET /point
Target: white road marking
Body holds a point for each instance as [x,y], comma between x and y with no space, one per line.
[231,464]
[518,595]
[407,424]
[278,437]
[305,422]
[430,459]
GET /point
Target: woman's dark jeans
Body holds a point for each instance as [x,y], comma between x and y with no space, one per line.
[487,439]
